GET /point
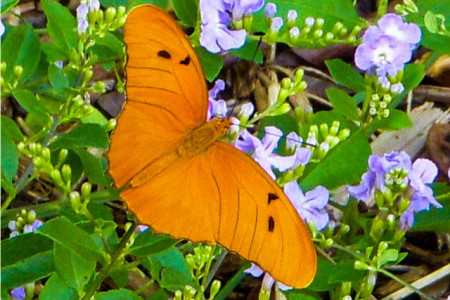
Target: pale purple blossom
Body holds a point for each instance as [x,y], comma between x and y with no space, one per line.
[2,28]
[270,10]
[293,141]
[93,5]
[397,88]
[309,21]
[387,46]
[18,293]
[246,110]
[382,56]
[294,32]
[262,151]
[310,206]
[82,11]
[292,15]
[215,35]
[239,8]
[396,168]
[394,25]
[216,108]
[276,24]
[268,280]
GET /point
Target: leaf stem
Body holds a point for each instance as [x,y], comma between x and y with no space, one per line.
[105,272]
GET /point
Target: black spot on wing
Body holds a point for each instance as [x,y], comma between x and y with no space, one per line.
[164,54]
[271,197]
[271,224]
[186,61]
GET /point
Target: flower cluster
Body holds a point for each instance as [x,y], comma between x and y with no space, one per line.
[26,222]
[395,175]
[262,151]
[216,16]
[387,47]
[82,14]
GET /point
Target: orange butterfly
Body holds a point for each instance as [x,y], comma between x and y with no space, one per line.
[175,173]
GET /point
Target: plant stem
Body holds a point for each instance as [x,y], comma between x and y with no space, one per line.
[105,272]
[404,283]
[23,179]
[216,266]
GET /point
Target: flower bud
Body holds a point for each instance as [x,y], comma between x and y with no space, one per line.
[66,171]
[319,23]
[294,34]
[318,33]
[178,295]
[62,156]
[309,22]
[55,175]
[392,221]
[45,154]
[329,36]
[344,134]
[270,10]
[3,67]
[215,287]
[329,243]
[87,76]
[31,217]
[111,125]
[86,190]
[22,148]
[334,128]
[337,27]
[403,205]
[110,14]
[18,71]
[291,18]
[189,292]
[382,246]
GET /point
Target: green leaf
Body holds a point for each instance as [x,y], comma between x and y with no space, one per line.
[435,219]
[57,78]
[8,4]
[396,120]
[148,243]
[343,103]
[413,75]
[250,51]
[344,164]
[21,46]
[29,270]
[302,295]
[330,275]
[96,117]
[61,26]
[164,4]
[114,3]
[117,295]
[64,232]
[10,157]
[120,277]
[346,75]
[94,167]
[186,11]
[22,247]
[56,289]
[11,128]
[73,270]
[211,63]
[30,103]
[109,47]
[86,135]
[389,255]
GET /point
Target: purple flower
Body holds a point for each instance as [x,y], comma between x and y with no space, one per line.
[393,25]
[239,8]
[292,15]
[363,192]
[387,46]
[423,171]
[18,293]
[397,88]
[293,141]
[381,56]
[215,35]
[93,5]
[270,10]
[2,28]
[262,151]
[310,206]
[216,108]
[246,110]
[276,24]
[82,11]
[268,280]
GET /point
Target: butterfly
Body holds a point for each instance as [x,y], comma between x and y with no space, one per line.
[175,173]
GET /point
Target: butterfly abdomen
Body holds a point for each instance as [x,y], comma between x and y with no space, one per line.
[202,137]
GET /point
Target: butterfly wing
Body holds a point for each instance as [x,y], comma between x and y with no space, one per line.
[222,196]
[166,93]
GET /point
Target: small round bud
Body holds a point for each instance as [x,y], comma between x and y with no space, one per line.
[66,171]
[62,155]
[110,14]
[318,33]
[18,71]
[359,265]
[86,190]
[87,75]
[382,246]
[215,287]
[270,10]
[320,22]
[55,175]
[46,154]
[310,21]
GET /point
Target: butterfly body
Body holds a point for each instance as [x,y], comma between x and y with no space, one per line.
[178,177]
